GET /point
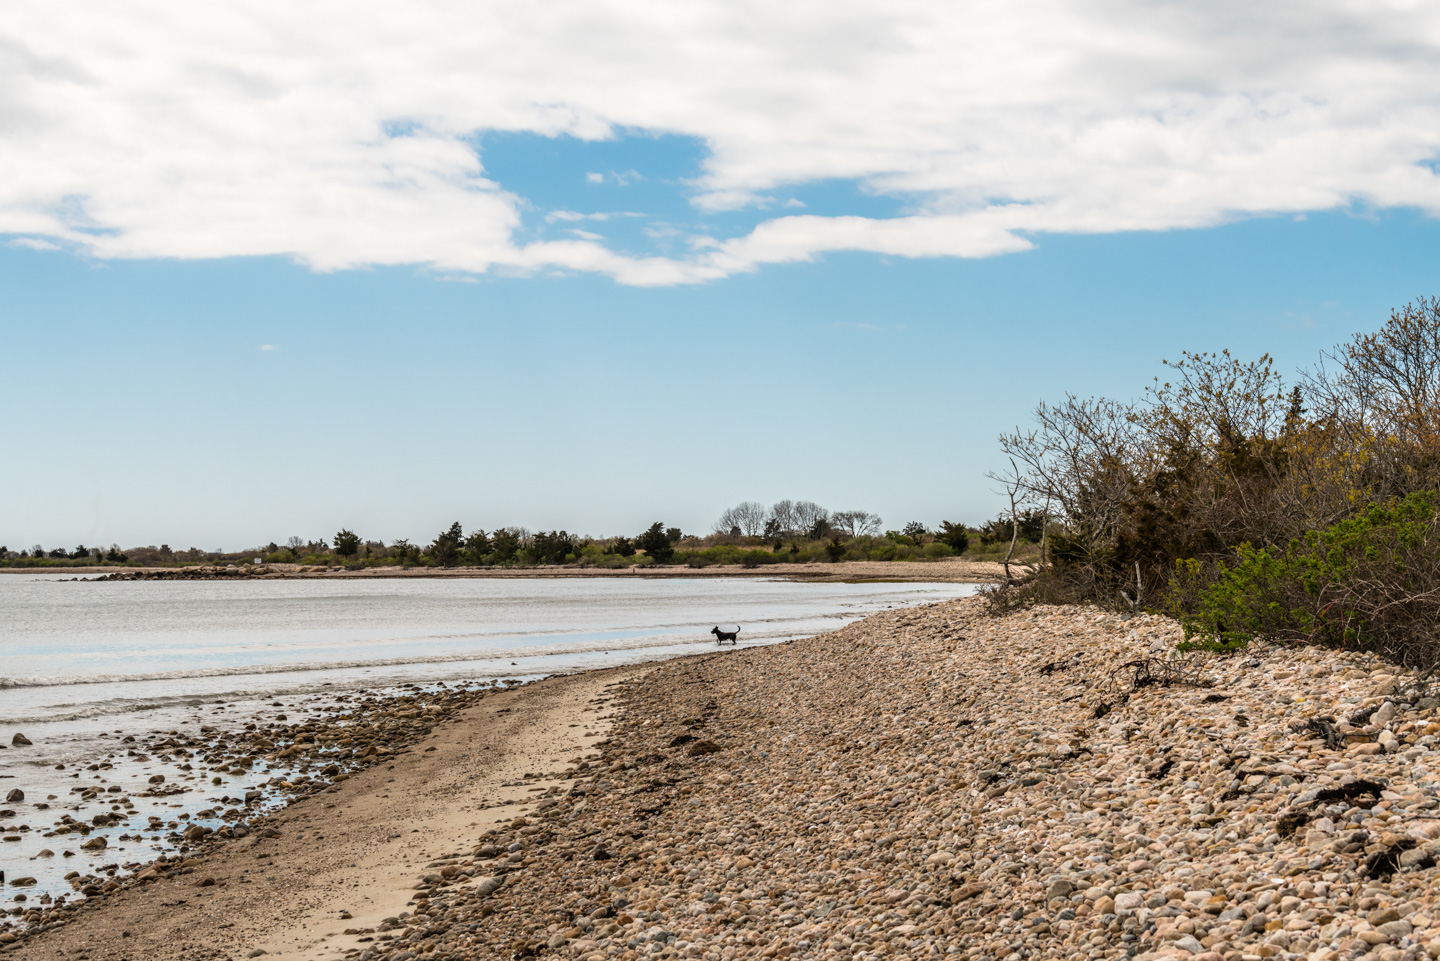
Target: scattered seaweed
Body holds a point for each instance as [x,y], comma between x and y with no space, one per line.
[1322,727]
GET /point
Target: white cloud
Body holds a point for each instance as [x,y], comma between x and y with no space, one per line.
[555,216]
[34,243]
[341,134]
[267,346]
[621,179]
[570,215]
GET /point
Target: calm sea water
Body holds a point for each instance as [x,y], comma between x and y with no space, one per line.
[79,660]
[94,650]
[83,664]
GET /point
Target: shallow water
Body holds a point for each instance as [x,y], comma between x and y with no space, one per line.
[85,663]
[72,651]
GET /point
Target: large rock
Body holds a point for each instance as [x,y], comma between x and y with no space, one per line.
[491,885]
[1129,902]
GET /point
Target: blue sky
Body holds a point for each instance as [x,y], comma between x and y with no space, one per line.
[276,272]
[143,408]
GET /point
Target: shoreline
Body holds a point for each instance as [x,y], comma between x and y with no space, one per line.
[282,885]
[943,571]
[265,765]
[927,781]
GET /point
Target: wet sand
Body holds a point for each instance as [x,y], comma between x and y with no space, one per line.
[358,846]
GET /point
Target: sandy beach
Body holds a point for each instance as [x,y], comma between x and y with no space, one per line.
[924,782]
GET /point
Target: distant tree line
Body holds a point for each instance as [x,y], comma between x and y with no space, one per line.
[82,556]
[749,533]
[803,530]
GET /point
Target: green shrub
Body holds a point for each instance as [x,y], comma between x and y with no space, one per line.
[656,544]
[1371,582]
[955,535]
[725,554]
[936,550]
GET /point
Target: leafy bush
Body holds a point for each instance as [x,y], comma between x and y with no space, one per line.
[954,535]
[608,561]
[504,545]
[936,550]
[46,562]
[1002,528]
[1371,582]
[883,551]
[445,550]
[551,548]
[657,544]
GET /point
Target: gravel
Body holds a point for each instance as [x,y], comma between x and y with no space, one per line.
[933,782]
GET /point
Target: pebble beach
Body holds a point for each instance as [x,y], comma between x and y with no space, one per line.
[925,782]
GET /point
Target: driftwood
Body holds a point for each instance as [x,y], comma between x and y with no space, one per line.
[1142,672]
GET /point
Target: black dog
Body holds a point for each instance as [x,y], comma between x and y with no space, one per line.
[722,636]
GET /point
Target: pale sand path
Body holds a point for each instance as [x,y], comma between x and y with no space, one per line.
[359,847]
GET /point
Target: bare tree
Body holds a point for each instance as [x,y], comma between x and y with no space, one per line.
[1381,394]
[748,517]
[856,523]
[811,518]
[1014,485]
[783,519]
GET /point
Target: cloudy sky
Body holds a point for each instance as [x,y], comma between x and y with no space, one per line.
[271,269]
